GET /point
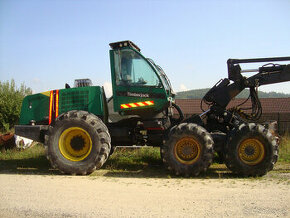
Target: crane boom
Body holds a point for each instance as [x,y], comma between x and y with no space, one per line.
[224,91]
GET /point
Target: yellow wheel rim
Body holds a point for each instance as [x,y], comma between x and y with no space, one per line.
[251,151]
[187,150]
[75,144]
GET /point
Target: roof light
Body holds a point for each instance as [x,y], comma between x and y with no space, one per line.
[121,44]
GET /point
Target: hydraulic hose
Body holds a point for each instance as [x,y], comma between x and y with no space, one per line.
[181,116]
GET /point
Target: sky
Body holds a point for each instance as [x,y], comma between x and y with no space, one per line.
[45,44]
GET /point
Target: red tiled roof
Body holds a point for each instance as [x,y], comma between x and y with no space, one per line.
[269,105]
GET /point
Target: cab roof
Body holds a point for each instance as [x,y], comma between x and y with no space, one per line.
[121,44]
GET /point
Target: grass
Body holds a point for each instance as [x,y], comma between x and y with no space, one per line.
[130,158]
[33,153]
[284,153]
[31,160]
[138,162]
[125,162]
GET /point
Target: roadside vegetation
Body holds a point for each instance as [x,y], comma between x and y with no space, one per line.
[11,98]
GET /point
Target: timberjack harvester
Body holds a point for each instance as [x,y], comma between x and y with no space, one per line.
[80,127]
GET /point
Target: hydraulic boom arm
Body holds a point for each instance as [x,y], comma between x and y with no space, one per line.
[224,91]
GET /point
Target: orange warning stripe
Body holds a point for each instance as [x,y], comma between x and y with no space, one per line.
[50,107]
[56,103]
[53,105]
[137,104]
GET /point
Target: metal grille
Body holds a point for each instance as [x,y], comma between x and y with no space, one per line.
[74,100]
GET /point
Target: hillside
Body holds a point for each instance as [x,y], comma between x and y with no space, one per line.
[199,93]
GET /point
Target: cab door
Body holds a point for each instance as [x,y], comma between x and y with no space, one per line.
[136,84]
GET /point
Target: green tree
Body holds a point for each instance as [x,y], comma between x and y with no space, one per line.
[10,103]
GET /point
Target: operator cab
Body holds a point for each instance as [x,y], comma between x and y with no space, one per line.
[139,85]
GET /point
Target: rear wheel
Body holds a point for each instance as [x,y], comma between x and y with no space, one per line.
[78,143]
[251,150]
[188,150]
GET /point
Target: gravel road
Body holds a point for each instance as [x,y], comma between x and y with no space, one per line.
[99,196]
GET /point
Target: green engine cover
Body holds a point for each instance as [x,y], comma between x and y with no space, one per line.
[36,107]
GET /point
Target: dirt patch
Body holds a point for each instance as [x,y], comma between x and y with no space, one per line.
[137,187]
[104,196]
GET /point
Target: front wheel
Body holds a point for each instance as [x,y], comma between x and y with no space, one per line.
[251,150]
[188,150]
[78,143]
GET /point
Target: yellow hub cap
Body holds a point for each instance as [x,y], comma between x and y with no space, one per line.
[75,144]
[251,151]
[187,150]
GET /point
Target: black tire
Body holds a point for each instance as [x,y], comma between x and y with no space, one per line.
[78,143]
[251,150]
[113,149]
[188,151]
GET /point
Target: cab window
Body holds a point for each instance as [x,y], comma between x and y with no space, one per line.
[131,69]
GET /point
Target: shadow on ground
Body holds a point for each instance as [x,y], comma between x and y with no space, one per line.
[123,169]
[38,165]
[113,168]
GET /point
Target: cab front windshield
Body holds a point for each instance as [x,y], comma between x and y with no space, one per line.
[162,75]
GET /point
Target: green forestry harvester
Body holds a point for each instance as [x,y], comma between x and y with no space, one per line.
[80,127]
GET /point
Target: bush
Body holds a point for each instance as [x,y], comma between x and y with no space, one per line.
[10,103]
